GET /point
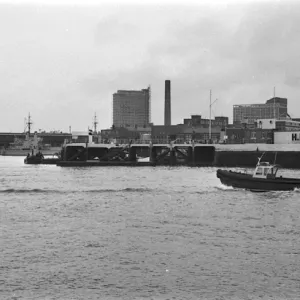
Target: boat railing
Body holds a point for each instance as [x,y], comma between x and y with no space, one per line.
[244,171]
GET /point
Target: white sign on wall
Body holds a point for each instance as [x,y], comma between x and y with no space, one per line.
[287,137]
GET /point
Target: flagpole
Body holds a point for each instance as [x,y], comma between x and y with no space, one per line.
[274,104]
[209,135]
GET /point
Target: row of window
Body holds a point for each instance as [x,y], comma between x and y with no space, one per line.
[252,135]
[283,128]
[204,136]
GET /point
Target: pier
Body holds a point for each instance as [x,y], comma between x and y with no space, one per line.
[137,154]
[172,154]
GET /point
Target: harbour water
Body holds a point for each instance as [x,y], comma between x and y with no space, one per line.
[143,233]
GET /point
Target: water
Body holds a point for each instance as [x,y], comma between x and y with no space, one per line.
[143,233]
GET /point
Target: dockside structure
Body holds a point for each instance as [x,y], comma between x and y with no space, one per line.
[81,154]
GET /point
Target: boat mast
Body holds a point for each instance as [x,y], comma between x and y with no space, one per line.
[25,124]
[95,123]
[29,123]
[259,158]
[275,157]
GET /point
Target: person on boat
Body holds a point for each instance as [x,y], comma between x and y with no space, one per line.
[40,155]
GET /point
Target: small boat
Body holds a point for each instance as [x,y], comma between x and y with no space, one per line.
[34,158]
[38,158]
[264,178]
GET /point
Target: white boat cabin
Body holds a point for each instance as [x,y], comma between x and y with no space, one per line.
[265,170]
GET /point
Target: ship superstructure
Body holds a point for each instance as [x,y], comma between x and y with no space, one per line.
[19,144]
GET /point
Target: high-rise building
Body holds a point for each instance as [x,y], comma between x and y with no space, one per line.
[131,108]
[275,108]
[167,103]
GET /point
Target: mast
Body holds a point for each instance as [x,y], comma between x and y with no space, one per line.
[95,123]
[209,132]
[210,105]
[29,123]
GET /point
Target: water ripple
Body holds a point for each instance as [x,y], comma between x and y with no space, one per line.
[154,233]
[20,191]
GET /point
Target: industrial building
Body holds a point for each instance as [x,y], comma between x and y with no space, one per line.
[131,108]
[263,131]
[274,108]
[184,134]
[198,121]
[124,135]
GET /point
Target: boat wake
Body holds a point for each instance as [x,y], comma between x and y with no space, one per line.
[224,187]
[46,191]
[20,191]
[118,190]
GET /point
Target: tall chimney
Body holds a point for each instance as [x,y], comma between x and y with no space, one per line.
[167,102]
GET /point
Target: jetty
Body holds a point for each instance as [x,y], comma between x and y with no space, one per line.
[176,154]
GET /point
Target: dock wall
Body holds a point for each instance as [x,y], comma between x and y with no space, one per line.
[286,159]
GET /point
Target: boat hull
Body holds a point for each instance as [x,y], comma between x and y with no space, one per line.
[246,181]
[33,160]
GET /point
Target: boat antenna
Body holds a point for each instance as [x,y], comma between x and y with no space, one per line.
[259,159]
[275,157]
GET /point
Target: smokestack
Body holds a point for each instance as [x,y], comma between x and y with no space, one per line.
[167,102]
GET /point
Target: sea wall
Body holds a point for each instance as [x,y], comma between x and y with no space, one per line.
[286,159]
[259,147]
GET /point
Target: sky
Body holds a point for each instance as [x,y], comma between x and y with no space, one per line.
[63,60]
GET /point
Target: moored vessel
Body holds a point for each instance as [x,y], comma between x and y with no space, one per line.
[26,142]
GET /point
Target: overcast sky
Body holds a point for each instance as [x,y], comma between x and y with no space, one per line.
[63,62]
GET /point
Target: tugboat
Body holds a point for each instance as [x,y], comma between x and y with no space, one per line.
[264,178]
[34,158]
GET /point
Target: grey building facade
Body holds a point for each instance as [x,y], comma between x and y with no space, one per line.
[131,108]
